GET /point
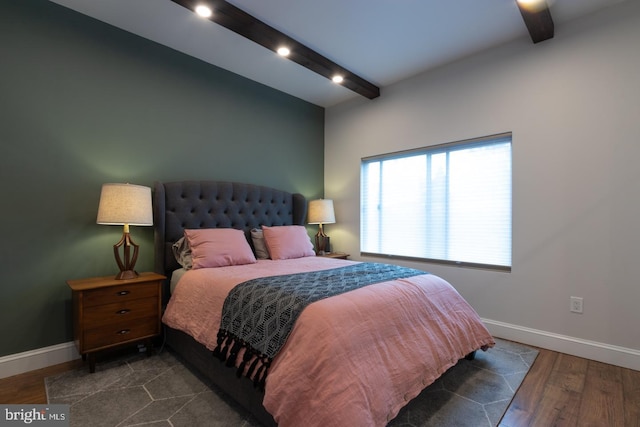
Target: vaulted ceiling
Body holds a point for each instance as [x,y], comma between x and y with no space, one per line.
[381,41]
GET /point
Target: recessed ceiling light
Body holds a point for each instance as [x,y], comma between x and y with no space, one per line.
[283,51]
[532,5]
[204,11]
[337,78]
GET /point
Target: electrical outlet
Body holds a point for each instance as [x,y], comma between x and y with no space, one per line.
[575,304]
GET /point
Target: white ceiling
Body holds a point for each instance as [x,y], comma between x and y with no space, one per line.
[383,41]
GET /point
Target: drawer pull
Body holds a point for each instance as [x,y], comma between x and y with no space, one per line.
[124,331]
[123,293]
[123,311]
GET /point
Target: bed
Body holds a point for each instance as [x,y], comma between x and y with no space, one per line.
[350,359]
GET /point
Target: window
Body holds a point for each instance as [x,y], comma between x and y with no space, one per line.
[448,203]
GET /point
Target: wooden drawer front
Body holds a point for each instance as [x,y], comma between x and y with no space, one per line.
[108,335]
[109,314]
[113,294]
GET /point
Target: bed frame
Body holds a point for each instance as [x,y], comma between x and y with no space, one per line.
[217,204]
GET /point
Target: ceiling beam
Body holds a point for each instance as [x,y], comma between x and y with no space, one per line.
[537,18]
[239,21]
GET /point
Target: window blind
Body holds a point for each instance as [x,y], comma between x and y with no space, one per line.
[449,203]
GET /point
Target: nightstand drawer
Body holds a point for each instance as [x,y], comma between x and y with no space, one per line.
[120,311]
[117,333]
[115,294]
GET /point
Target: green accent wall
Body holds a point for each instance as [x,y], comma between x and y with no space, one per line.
[83,103]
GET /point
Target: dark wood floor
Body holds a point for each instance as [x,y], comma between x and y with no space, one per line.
[563,390]
[559,390]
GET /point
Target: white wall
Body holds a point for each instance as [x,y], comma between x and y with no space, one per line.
[573,105]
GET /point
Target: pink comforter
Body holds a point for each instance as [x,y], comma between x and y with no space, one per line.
[354,359]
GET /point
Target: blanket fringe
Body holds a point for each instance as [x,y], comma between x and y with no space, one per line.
[252,368]
[217,352]
[227,350]
[248,355]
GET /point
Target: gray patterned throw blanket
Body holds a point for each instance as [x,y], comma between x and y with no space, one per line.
[258,315]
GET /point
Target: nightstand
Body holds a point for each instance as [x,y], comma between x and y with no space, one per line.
[109,312]
[337,255]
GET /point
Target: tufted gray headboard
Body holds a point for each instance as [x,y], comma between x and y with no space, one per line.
[216,204]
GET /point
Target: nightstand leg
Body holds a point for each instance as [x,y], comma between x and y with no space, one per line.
[92,363]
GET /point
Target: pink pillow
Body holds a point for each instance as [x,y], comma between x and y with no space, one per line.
[287,241]
[219,247]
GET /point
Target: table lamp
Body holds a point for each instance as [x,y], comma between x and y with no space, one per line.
[321,212]
[125,204]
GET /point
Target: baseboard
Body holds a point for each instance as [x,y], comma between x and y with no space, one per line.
[601,352]
[19,363]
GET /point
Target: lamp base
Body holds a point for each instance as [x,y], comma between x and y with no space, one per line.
[126,266]
[322,244]
[127,274]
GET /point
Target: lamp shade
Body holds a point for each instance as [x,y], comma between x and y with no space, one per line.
[122,204]
[321,212]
